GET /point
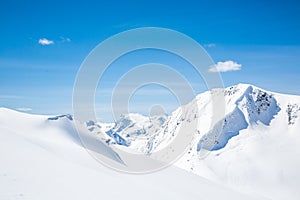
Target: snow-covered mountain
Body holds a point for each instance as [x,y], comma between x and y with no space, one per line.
[254,148]
[246,107]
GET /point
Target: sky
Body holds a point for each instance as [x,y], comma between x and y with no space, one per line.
[43,44]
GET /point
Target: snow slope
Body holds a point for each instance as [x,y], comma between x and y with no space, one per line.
[259,146]
[41,157]
[254,148]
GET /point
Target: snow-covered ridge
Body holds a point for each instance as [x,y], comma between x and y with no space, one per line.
[246,107]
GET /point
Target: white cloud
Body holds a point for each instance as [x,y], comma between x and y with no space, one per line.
[24,109]
[45,41]
[225,66]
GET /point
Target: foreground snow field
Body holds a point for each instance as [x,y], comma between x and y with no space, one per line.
[255,157]
[44,159]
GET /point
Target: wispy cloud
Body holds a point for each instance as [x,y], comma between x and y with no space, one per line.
[24,109]
[225,66]
[45,41]
[9,97]
[210,45]
[63,39]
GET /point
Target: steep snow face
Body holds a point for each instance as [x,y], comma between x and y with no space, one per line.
[252,107]
[223,131]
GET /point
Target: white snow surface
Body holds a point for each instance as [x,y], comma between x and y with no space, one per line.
[42,158]
[254,149]
[250,153]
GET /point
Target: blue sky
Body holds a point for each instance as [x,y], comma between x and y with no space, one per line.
[262,36]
